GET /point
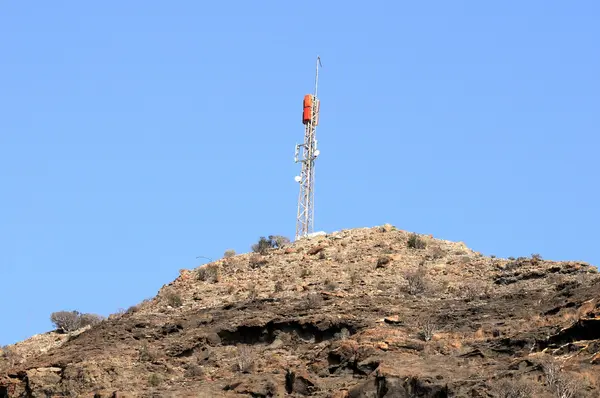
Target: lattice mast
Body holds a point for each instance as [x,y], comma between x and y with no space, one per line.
[310,118]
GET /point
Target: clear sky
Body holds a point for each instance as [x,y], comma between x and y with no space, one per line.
[137,135]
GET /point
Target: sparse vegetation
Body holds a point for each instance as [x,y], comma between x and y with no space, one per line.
[256,261]
[354,277]
[173,298]
[252,291]
[145,354]
[427,328]
[192,370]
[304,272]
[278,286]
[245,359]
[69,321]
[262,246]
[330,285]
[272,242]
[416,242]
[154,380]
[436,253]
[279,241]
[562,384]
[229,253]
[512,389]
[9,356]
[313,300]
[416,282]
[208,273]
[473,290]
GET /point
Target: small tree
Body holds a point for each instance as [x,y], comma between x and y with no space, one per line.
[262,245]
[69,321]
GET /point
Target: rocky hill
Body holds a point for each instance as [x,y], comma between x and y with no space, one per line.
[372,312]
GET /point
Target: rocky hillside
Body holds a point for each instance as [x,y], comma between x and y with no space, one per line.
[359,313]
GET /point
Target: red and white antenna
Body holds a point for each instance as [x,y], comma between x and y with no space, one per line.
[310,118]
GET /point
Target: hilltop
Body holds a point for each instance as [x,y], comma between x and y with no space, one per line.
[373,312]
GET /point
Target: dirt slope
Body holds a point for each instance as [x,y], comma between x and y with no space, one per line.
[356,313]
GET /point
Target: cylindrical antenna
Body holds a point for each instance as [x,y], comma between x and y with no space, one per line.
[317,74]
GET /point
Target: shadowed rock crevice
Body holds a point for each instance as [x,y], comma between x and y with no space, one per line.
[308,332]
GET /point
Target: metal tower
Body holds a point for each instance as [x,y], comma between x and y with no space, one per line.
[310,118]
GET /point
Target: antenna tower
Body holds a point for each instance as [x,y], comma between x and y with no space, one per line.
[310,118]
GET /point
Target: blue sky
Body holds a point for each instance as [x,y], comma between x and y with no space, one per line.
[135,136]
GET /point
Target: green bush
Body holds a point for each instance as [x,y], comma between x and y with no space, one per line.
[272,242]
[262,245]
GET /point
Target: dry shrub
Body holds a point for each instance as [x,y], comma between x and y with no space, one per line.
[146,354]
[209,273]
[278,286]
[68,321]
[330,285]
[252,291]
[354,276]
[512,389]
[474,290]
[229,253]
[245,359]
[416,282]
[154,380]
[133,309]
[89,320]
[10,356]
[279,241]
[172,298]
[256,261]
[437,253]
[427,327]
[192,370]
[313,300]
[304,272]
[562,384]
[415,242]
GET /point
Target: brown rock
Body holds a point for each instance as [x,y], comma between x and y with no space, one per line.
[315,250]
[382,345]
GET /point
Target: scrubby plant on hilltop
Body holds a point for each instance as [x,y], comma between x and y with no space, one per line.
[229,253]
[272,242]
[262,245]
[415,242]
[279,241]
[208,273]
[68,321]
